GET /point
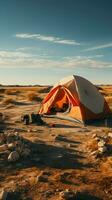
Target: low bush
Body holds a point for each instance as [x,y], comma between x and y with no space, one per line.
[8,101]
[34,97]
[11,92]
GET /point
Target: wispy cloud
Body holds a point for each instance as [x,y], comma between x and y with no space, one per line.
[103,46]
[24,59]
[14,54]
[47,38]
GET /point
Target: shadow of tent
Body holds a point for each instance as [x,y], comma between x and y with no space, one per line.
[64,139]
[66,126]
[3,126]
[101,123]
[50,156]
[86,196]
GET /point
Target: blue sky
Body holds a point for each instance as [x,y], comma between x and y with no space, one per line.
[42,41]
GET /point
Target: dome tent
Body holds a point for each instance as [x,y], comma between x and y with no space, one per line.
[81,98]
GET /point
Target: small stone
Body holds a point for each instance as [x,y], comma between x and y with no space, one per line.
[101,143]
[3,195]
[42,177]
[11,145]
[67,195]
[59,156]
[48,193]
[94,153]
[13,156]
[94,135]
[59,137]
[64,176]
[16,133]
[97,139]
[110,134]
[102,149]
[71,145]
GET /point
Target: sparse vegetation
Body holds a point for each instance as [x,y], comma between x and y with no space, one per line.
[34,97]
[58,162]
[92,145]
[44,89]
[2,90]
[8,101]
[11,92]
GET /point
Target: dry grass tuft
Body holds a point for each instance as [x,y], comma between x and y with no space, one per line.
[11,92]
[44,89]
[2,90]
[92,145]
[109,101]
[8,101]
[34,97]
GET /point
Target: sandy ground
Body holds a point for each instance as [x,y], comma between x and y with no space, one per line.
[64,161]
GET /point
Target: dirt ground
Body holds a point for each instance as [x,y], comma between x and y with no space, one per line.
[59,152]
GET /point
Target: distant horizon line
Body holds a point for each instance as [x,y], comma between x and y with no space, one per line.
[43,85]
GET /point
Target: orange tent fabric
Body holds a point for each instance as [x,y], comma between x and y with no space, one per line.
[83,100]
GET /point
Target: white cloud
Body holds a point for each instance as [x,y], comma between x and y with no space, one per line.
[99,47]
[24,59]
[14,54]
[46,38]
[24,49]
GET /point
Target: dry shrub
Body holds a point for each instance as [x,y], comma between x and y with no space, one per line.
[92,145]
[11,92]
[109,100]
[44,89]
[8,101]
[2,90]
[34,97]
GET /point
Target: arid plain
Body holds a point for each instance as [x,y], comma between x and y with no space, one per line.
[63,156]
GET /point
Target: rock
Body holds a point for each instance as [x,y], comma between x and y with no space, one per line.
[110,134]
[3,147]
[94,153]
[26,152]
[64,176]
[97,139]
[16,133]
[102,149]
[67,195]
[11,145]
[59,137]
[101,143]
[3,195]
[58,190]
[71,145]
[13,156]
[48,193]
[42,177]
[94,135]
